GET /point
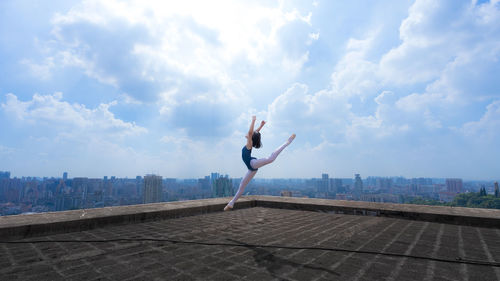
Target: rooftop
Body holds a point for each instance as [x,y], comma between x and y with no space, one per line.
[264,238]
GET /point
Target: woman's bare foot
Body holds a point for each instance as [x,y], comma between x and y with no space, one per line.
[228,208]
[291,138]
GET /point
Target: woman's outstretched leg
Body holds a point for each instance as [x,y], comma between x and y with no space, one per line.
[257,163]
[244,182]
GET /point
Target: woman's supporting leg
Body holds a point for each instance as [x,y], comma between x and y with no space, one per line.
[248,177]
[257,163]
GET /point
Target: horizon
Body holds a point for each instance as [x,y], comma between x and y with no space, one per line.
[257,178]
[130,87]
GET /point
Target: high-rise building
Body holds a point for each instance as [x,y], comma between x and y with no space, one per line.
[4,175]
[65,176]
[324,184]
[497,191]
[222,187]
[336,185]
[421,181]
[454,185]
[213,177]
[383,184]
[80,186]
[358,186]
[152,191]
[138,185]
[204,183]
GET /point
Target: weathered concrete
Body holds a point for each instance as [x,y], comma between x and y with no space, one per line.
[453,215]
[237,246]
[22,226]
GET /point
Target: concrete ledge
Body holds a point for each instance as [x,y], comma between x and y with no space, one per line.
[23,226]
[440,214]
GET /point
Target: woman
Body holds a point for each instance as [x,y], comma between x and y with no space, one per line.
[252,163]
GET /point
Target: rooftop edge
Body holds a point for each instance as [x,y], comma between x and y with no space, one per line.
[23,226]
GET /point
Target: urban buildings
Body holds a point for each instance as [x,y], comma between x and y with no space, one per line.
[4,175]
[222,186]
[31,194]
[454,185]
[286,193]
[358,186]
[152,191]
[323,186]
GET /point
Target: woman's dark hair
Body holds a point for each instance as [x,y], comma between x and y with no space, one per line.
[256,140]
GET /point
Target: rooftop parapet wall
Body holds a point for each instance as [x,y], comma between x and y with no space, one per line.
[22,226]
[441,214]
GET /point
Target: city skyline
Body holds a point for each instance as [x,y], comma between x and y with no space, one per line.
[129,88]
[34,195]
[67,175]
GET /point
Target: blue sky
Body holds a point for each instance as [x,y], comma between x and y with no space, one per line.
[125,88]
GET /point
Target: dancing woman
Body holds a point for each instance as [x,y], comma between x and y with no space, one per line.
[252,163]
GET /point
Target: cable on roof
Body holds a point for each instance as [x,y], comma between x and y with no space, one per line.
[458,260]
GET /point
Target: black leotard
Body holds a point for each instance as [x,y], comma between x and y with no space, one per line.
[246,155]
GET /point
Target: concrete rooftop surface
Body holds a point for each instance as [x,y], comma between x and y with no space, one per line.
[263,238]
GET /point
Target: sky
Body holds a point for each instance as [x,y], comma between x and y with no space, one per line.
[126,88]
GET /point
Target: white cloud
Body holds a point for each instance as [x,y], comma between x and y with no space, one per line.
[43,70]
[314,36]
[488,127]
[195,37]
[183,55]
[354,74]
[434,35]
[294,66]
[318,116]
[127,99]
[201,70]
[449,49]
[52,112]
[418,102]
[5,150]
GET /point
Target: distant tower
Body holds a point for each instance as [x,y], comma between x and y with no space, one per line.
[80,185]
[358,186]
[107,187]
[213,177]
[65,176]
[79,189]
[138,185]
[222,187]
[454,185]
[336,185]
[4,175]
[497,191]
[325,182]
[323,186]
[152,191]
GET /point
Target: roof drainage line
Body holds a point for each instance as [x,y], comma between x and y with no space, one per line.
[456,260]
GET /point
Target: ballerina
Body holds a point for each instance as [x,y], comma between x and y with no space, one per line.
[252,163]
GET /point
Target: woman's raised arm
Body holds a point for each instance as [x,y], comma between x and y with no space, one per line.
[262,123]
[250,133]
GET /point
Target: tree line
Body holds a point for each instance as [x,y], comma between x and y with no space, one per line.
[472,200]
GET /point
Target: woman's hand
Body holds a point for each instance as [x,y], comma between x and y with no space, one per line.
[254,117]
[261,125]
